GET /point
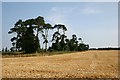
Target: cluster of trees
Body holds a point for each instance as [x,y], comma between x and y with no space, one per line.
[5,49]
[27,37]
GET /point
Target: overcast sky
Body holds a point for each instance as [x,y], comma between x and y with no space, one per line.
[95,22]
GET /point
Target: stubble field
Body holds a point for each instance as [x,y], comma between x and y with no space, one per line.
[88,64]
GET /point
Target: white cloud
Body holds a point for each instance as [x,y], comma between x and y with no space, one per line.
[56,18]
[89,10]
[59,15]
[56,15]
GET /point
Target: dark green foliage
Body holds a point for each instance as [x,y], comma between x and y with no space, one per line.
[19,29]
[29,41]
[6,50]
[83,47]
[67,47]
[73,43]
[37,44]
[12,49]
[27,38]
[3,50]
[56,39]
[59,38]
[39,22]
[62,43]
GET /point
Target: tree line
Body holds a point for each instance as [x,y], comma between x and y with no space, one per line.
[107,48]
[28,32]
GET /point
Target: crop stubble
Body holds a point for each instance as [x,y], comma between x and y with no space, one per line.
[88,64]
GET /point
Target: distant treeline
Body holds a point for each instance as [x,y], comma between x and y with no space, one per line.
[109,48]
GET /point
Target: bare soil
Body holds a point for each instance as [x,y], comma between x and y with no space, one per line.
[88,64]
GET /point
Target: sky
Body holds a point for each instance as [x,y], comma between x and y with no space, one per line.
[95,22]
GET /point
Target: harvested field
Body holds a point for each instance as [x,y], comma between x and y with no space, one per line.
[88,64]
